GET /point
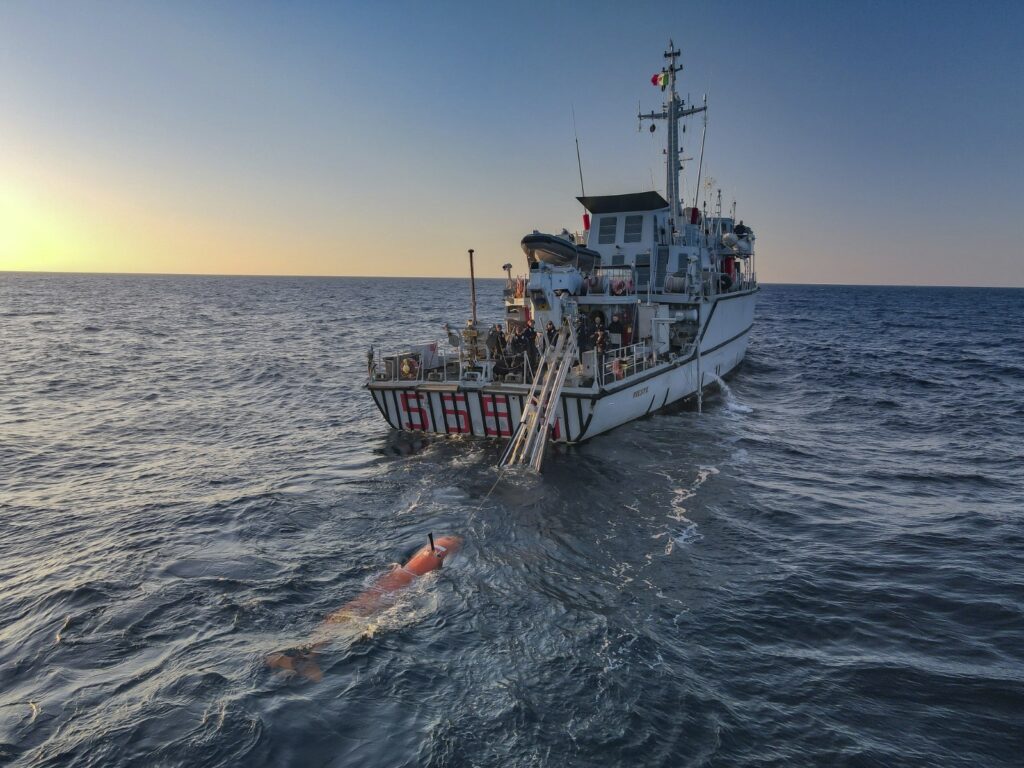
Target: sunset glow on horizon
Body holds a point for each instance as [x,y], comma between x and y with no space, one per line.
[362,140]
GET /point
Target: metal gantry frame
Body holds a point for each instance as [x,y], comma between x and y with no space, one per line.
[526,447]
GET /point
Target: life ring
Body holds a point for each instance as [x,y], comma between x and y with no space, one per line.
[410,368]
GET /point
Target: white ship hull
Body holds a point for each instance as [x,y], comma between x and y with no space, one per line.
[494,410]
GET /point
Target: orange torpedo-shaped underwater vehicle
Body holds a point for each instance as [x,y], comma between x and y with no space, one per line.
[428,558]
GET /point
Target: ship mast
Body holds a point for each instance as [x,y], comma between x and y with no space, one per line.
[673,111]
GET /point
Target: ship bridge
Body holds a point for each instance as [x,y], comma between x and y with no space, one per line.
[631,230]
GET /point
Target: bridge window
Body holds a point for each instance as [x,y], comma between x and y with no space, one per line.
[608,229]
[634,229]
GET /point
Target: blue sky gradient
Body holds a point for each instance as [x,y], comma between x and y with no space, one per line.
[865,142]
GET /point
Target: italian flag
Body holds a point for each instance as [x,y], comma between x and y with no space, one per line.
[660,79]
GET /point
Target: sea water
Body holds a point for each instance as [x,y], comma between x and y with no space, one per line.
[822,568]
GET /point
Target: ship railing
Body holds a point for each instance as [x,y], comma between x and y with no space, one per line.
[619,364]
[744,283]
[712,285]
[430,362]
[415,363]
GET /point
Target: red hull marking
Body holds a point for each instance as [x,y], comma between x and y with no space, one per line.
[499,416]
[455,405]
[415,415]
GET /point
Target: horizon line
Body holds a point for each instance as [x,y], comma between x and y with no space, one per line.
[449,277]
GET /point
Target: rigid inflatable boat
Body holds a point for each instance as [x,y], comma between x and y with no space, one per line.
[559,252]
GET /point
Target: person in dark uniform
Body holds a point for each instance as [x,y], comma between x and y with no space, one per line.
[517,347]
[580,327]
[502,340]
[600,343]
[530,332]
[530,338]
[551,332]
[492,342]
[616,329]
[516,344]
[598,327]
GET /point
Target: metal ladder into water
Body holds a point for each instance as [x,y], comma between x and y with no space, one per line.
[526,447]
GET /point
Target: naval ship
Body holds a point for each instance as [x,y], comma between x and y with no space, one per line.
[649,304]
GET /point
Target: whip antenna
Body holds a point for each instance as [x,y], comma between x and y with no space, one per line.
[583,192]
[579,162]
[700,165]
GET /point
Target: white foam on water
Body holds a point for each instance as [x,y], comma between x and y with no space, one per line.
[471,456]
[410,506]
[687,535]
[409,607]
[450,494]
[402,608]
[731,403]
[687,532]
[684,494]
[621,571]
[426,498]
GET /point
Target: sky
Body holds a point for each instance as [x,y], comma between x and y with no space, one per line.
[865,142]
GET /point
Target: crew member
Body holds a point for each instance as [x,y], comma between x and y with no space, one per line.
[502,339]
[600,342]
[492,341]
[530,337]
[551,332]
[581,333]
[615,330]
[517,346]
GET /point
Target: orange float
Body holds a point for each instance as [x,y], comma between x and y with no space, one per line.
[426,559]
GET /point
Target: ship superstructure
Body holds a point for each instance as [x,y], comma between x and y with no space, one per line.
[650,303]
